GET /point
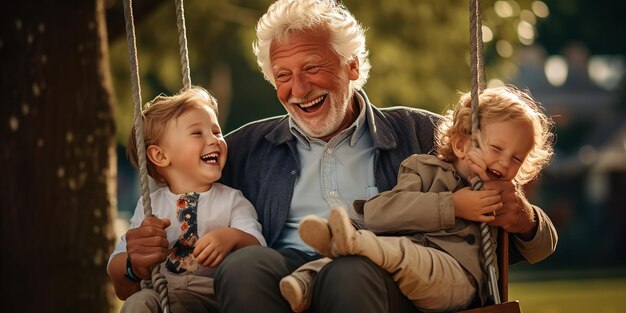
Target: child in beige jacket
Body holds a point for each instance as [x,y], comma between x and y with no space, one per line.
[424,232]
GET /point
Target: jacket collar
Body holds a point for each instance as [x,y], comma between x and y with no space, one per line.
[446,166]
[383,135]
[280,134]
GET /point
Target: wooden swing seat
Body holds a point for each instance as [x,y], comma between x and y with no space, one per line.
[503,282]
[506,307]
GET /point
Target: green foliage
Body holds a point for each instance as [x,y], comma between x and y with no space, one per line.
[418,50]
[599,24]
[219,35]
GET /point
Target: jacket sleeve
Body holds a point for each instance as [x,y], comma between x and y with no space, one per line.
[407,208]
[538,248]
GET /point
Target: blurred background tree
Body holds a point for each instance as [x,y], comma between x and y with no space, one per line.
[584,21]
[57,192]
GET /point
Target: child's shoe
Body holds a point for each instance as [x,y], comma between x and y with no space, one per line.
[296,292]
[346,240]
[315,232]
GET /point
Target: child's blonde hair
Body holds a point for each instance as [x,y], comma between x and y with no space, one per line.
[157,113]
[496,105]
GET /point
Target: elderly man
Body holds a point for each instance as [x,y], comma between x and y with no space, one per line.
[332,148]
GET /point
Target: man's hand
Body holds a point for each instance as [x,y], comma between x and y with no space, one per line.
[147,245]
[477,206]
[516,215]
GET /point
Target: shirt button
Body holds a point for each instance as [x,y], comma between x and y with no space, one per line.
[329,151]
[332,193]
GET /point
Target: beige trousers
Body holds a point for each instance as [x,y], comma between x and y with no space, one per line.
[187,293]
[432,279]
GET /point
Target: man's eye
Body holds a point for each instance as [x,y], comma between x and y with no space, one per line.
[312,69]
[282,77]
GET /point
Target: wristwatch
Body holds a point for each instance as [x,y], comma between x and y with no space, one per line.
[130,275]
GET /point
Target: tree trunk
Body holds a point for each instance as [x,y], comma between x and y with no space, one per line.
[57,193]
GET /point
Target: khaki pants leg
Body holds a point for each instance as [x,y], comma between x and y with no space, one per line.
[297,287]
[187,294]
[307,271]
[143,301]
[433,280]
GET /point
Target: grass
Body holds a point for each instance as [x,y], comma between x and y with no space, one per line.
[589,295]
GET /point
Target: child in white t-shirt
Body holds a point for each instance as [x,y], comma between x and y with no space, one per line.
[196,222]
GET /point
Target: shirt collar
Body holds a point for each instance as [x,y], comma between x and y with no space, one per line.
[355,131]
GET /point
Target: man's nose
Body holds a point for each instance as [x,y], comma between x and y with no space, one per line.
[301,86]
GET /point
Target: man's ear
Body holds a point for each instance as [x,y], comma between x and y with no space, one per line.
[354,69]
[157,156]
[461,146]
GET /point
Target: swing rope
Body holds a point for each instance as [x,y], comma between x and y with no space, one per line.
[182,42]
[478,85]
[158,281]
[136,90]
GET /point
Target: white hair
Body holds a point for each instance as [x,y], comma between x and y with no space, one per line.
[286,17]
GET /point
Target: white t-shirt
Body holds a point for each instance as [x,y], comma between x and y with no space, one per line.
[220,206]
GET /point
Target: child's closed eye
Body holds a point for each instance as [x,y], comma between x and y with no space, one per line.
[497,148]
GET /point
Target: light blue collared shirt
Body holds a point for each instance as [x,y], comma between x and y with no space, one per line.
[332,174]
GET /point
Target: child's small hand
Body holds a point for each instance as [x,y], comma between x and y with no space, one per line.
[477,164]
[213,247]
[477,206]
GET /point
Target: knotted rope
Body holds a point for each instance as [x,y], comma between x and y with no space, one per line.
[478,85]
[158,281]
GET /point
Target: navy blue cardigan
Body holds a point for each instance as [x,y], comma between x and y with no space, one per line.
[263,160]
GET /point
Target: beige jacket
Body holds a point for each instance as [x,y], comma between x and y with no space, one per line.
[420,207]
